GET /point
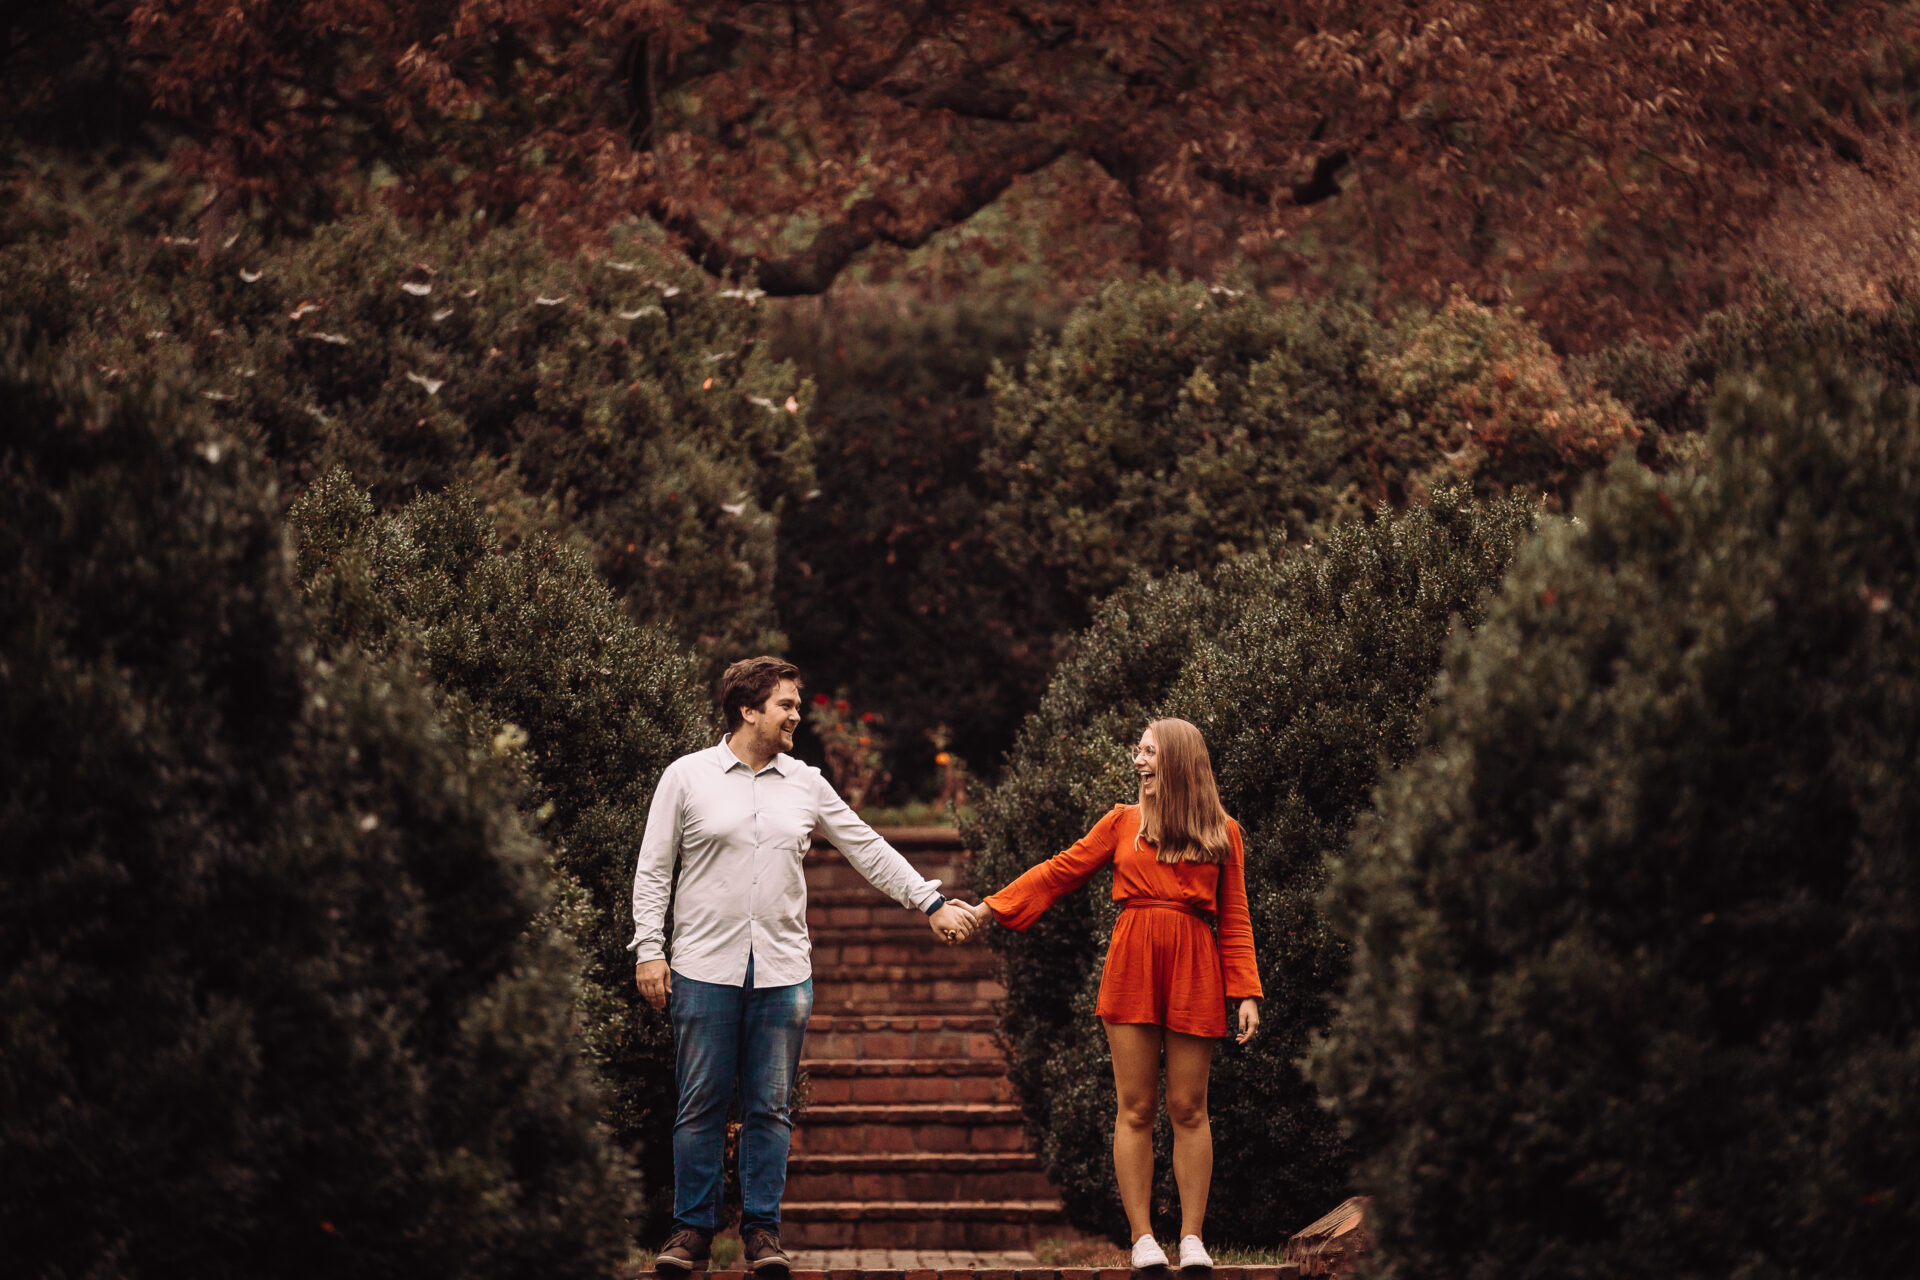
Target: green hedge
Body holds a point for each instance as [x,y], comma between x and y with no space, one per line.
[1305,672]
[1173,424]
[598,705]
[620,398]
[1635,940]
[1671,385]
[284,991]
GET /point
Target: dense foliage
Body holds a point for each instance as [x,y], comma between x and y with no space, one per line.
[619,397]
[1671,385]
[1306,672]
[598,705]
[284,989]
[1595,162]
[889,585]
[1172,424]
[1635,940]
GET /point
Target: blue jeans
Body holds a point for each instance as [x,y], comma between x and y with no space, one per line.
[722,1037]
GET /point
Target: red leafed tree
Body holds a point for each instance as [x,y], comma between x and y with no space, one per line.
[1591,160]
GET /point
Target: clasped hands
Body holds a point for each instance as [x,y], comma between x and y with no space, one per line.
[956,922]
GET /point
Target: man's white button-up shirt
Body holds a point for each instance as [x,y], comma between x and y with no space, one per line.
[740,837]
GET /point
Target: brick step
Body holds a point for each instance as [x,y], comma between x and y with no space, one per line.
[913,956]
[835,1087]
[900,1022]
[909,929]
[826,869]
[857,1127]
[908,1224]
[903,989]
[838,876]
[859,1004]
[902,1068]
[910,840]
[905,1042]
[917,1175]
[1285,1271]
[892,925]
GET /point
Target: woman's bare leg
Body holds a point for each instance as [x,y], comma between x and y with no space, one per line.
[1189,1061]
[1136,1082]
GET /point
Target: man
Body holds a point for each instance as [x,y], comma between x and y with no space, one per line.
[739,817]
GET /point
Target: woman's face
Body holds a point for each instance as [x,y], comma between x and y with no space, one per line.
[1146,763]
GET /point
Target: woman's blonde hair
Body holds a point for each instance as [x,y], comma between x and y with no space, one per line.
[1183,818]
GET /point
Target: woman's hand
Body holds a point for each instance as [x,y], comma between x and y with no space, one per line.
[982,915]
[1249,1020]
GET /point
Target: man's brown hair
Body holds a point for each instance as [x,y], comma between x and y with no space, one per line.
[749,683]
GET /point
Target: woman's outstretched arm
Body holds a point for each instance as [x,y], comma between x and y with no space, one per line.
[1039,887]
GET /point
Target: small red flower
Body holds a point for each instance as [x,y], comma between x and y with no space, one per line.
[867,718]
[843,706]
[820,699]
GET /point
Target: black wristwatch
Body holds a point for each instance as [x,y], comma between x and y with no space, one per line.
[938,902]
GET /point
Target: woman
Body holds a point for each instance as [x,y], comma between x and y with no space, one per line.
[1177,860]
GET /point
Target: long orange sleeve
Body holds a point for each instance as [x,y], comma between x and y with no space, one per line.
[1021,903]
[1235,927]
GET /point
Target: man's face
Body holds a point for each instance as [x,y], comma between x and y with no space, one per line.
[770,728]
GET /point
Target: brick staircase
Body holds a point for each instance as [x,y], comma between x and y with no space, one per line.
[910,1138]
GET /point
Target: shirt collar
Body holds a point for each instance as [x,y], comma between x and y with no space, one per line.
[728,762]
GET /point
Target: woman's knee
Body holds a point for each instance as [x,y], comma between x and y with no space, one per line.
[1187,1113]
[1135,1114]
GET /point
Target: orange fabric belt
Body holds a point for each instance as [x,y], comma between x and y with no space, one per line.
[1166,904]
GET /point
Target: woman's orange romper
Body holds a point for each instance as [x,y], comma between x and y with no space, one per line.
[1162,965]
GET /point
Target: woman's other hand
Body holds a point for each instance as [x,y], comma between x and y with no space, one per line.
[1249,1020]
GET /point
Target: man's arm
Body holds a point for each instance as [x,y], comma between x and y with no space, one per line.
[653,889]
[885,868]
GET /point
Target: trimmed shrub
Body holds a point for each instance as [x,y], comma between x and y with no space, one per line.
[622,399]
[890,588]
[283,990]
[1171,425]
[1306,673]
[598,704]
[1672,385]
[1634,941]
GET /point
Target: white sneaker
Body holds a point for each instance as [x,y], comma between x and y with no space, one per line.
[1148,1253]
[1193,1255]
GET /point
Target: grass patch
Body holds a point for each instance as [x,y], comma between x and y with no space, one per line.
[1067,1251]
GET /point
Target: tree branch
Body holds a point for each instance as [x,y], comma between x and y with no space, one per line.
[860,79]
[1260,187]
[814,269]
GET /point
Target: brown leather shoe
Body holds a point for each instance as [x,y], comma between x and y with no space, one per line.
[764,1256]
[685,1252]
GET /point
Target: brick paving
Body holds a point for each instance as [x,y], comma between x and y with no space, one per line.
[837,1260]
[1285,1271]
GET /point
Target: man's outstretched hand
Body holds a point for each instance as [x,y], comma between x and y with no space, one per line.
[953,923]
[654,981]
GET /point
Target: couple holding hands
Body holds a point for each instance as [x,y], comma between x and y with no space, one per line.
[738,818]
